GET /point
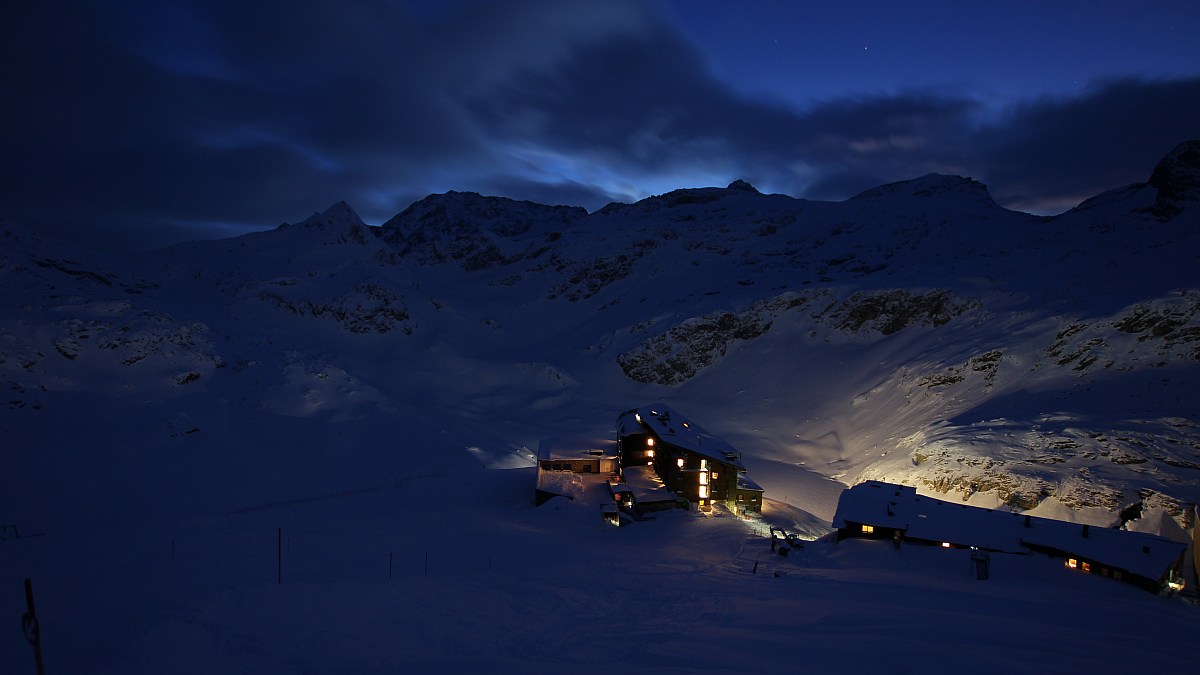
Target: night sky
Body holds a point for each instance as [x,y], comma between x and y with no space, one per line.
[139,123]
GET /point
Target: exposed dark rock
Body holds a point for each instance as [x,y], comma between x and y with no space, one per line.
[889,312]
[1177,179]
[677,355]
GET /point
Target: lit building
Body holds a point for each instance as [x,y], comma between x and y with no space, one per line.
[877,510]
[691,462]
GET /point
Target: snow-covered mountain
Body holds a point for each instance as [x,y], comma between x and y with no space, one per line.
[917,333]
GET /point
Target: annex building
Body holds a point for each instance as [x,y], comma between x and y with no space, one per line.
[877,510]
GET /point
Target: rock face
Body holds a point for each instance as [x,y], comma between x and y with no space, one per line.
[366,308]
[685,349]
[932,185]
[889,312]
[1177,176]
[682,351]
[474,231]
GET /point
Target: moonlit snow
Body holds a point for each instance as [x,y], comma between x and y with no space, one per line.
[310,450]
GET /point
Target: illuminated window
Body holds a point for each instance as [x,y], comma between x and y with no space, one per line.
[704,465]
[868,529]
[686,425]
[703,478]
[679,462]
[1072,563]
[945,544]
[649,453]
[704,492]
[1087,567]
[714,475]
[650,442]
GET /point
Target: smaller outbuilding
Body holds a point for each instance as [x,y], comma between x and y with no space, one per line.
[571,466]
[877,510]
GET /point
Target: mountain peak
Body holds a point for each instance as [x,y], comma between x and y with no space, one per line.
[477,231]
[1177,175]
[929,185]
[742,185]
[338,216]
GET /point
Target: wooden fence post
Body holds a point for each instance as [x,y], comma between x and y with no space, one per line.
[33,631]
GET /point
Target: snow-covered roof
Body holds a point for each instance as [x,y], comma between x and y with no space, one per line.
[646,486]
[577,447]
[671,427]
[745,483]
[900,507]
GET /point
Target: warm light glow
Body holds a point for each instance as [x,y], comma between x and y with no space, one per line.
[703,478]
[638,417]
[1087,567]
[714,475]
[650,442]
[704,492]
[704,465]
[686,425]
[1175,585]
[1072,563]
[868,529]
[945,544]
[679,462]
[649,453]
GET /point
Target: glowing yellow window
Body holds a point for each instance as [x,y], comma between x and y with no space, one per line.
[650,442]
[714,475]
[679,462]
[1087,567]
[868,529]
[1072,563]
[703,478]
[649,453]
[704,492]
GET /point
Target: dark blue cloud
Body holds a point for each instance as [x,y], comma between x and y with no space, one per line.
[137,123]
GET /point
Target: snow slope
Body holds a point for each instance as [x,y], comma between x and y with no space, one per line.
[375,392]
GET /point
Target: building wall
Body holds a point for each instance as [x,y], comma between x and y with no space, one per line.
[642,449]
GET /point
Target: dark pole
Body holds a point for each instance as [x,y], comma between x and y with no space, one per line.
[279,554]
[33,632]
